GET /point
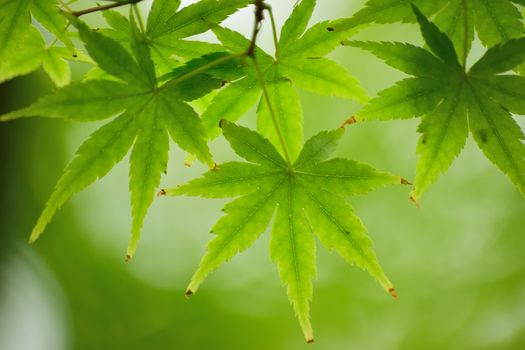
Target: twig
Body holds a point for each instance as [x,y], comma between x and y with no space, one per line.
[260,7]
[103,7]
[272,113]
[200,70]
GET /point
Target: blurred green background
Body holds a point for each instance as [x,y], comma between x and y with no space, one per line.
[458,263]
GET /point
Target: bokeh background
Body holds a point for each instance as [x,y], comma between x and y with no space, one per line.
[458,262]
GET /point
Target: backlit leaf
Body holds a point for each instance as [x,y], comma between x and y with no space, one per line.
[305,203]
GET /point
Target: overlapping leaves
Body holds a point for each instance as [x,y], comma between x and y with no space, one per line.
[495,21]
[306,198]
[147,78]
[452,101]
[168,28]
[147,112]
[22,47]
[299,62]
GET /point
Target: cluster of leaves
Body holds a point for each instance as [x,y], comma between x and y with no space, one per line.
[22,46]
[291,68]
[148,76]
[147,111]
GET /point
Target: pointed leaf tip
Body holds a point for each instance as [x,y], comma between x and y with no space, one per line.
[188,294]
[189,160]
[162,193]
[415,201]
[352,120]
[393,293]
[309,340]
[132,248]
[405,182]
[35,234]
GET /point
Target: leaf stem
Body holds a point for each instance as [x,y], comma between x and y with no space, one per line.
[274,31]
[65,5]
[260,7]
[103,7]
[259,17]
[272,113]
[200,70]
[139,17]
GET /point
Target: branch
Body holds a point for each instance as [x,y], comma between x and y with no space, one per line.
[103,7]
[260,7]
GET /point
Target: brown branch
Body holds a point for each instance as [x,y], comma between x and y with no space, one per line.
[103,7]
[260,6]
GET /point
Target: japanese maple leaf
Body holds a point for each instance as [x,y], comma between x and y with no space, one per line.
[168,27]
[299,62]
[307,199]
[453,100]
[147,113]
[34,53]
[495,21]
[19,38]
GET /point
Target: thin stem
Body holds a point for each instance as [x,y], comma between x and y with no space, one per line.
[274,31]
[103,8]
[259,17]
[65,5]
[260,7]
[139,17]
[272,113]
[465,33]
[200,70]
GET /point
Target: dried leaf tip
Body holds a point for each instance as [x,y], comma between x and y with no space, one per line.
[393,293]
[405,182]
[128,257]
[352,120]
[161,193]
[415,201]
[309,340]
[222,123]
[189,160]
[188,294]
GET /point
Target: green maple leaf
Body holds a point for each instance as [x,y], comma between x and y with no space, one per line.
[299,62]
[194,55]
[147,113]
[308,198]
[495,21]
[452,101]
[17,38]
[168,27]
[34,53]
[521,67]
